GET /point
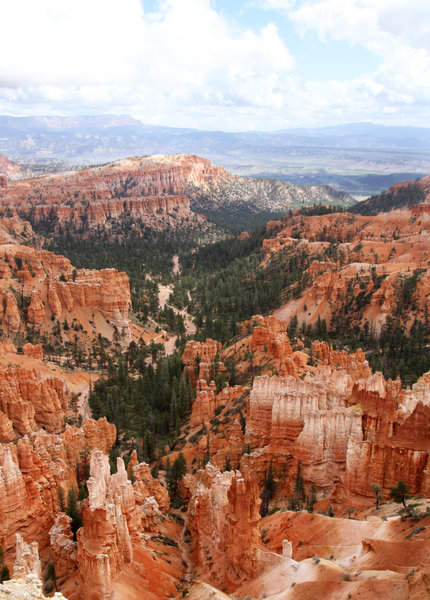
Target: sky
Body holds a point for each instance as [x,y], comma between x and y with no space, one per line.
[218,64]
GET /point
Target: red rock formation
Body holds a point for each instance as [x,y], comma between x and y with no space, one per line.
[104,542]
[304,419]
[32,470]
[223,519]
[30,400]
[354,364]
[99,435]
[420,210]
[53,289]
[148,190]
[63,547]
[374,255]
[344,424]
[146,486]
[9,313]
[269,336]
[16,231]
[199,355]
[7,167]
[205,403]
[393,442]
[27,560]
[33,350]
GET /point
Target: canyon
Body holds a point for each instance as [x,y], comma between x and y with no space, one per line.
[43,296]
[284,436]
[43,458]
[156,193]
[358,265]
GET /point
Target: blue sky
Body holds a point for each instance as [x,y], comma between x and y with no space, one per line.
[219,64]
[315,60]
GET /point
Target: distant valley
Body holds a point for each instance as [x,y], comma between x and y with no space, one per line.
[362,159]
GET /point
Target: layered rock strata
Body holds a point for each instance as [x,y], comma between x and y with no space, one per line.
[345,425]
[223,519]
[31,471]
[110,520]
[38,288]
[368,262]
[149,192]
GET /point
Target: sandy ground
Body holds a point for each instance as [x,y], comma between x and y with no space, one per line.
[164,292]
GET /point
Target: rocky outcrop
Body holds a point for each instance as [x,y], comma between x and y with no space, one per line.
[63,547]
[47,288]
[27,574]
[198,358]
[116,199]
[25,590]
[223,519]
[7,167]
[205,403]
[346,425]
[27,560]
[29,401]
[33,350]
[104,542]
[32,470]
[269,337]
[304,419]
[369,260]
[354,364]
[145,486]
[393,444]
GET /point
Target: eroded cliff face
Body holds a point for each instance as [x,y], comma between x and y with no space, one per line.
[223,518]
[199,357]
[358,265]
[395,438]
[8,168]
[38,288]
[31,472]
[39,453]
[104,542]
[306,420]
[114,199]
[29,401]
[346,425]
[116,556]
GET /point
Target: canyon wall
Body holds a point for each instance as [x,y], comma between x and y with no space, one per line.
[346,425]
[31,472]
[357,266]
[115,199]
[223,518]
[38,288]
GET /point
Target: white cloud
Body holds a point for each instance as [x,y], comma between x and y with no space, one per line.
[186,49]
[188,65]
[282,5]
[395,30]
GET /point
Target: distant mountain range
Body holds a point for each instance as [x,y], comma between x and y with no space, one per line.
[358,157]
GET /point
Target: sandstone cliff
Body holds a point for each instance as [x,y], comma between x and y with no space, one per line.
[141,192]
[116,554]
[32,470]
[346,425]
[358,266]
[104,542]
[223,519]
[38,288]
